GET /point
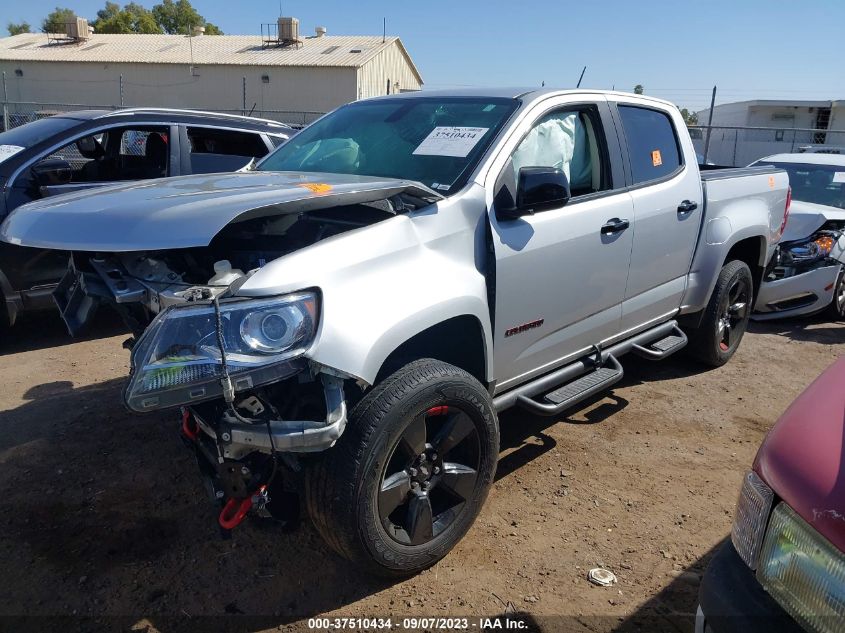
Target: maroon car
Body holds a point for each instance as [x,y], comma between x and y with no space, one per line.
[784,568]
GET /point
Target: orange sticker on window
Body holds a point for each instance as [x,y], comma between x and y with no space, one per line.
[656,159]
[771,182]
[316,187]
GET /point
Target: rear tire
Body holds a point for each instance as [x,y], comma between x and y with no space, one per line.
[726,316]
[836,309]
[409,475]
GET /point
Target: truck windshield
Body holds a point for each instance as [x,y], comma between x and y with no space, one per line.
[436,141]
[820,184]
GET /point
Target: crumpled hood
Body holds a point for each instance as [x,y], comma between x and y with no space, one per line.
[186,211]
[802,456]
[806,217]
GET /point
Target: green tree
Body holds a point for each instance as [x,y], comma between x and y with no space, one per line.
[638,89]
[17,29]
[55,22]
[180,17]
[690,118]
[133,18]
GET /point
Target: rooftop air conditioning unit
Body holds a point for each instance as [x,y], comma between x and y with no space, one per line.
[78,29]
[288,29]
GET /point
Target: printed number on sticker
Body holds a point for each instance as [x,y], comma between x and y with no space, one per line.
[450,141]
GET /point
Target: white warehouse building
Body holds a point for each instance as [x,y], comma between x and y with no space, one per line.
[304,77]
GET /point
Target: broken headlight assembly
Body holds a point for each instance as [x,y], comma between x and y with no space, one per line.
[808,251]
[177,360]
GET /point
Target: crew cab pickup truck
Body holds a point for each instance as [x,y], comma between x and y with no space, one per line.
[395,275]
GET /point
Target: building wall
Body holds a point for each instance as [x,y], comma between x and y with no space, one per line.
[317,89]
[782,116]
[389,64]
[726,114]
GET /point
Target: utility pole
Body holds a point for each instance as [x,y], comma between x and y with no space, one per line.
[709,126]
[5,104]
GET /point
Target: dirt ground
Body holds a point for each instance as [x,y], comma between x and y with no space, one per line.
[105,527]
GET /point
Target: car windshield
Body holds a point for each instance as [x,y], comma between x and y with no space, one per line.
[820,184]
[31,134]
[436,141]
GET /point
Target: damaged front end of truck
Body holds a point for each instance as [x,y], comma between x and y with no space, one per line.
[236,364]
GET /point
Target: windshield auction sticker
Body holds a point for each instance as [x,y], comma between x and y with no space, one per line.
[450,141]
[7,151]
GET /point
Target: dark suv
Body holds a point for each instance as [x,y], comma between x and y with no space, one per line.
[92,148]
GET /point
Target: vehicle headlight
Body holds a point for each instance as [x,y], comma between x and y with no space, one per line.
[803,571]
[752,512]
[814,249]
[178,361]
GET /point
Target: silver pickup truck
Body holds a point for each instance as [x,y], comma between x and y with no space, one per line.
[348,318]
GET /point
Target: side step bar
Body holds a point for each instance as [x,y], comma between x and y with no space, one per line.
[574,392]
[667,346]
[587,365]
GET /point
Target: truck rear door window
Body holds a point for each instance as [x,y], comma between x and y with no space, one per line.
[652,143]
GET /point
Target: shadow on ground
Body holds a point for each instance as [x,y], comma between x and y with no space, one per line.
[814,329]
[41,330]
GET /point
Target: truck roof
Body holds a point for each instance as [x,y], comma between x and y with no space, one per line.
[523,93]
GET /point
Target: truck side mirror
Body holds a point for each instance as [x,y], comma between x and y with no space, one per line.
[541,188]
[53,171]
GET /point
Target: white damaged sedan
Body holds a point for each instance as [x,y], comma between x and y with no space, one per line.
[807,273]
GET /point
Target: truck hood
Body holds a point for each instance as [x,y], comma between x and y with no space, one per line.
[186,211]
[806,217]
[801,458]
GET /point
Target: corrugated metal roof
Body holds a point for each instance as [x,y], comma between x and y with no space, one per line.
[329,50]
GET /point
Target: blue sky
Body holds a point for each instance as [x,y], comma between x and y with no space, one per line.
[750,49]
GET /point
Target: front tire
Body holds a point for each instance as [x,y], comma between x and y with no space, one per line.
[836,309]
[726,316]
[409,475]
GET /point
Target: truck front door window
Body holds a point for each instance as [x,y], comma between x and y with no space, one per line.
[565,140]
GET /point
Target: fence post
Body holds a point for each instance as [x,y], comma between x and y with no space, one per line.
[5,104]
[121,90]
[709,126]
[243,111]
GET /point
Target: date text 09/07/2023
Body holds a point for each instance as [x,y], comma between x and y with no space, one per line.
[417,624]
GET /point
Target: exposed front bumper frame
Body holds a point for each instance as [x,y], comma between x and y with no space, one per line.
[237,439]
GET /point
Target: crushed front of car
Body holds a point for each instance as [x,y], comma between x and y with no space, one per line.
[783,569]
[802,276]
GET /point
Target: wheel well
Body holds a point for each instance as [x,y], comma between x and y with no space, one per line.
[749,251]
[458,341]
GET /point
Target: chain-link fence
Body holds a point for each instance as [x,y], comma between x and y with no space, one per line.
[738,146]
[19,113]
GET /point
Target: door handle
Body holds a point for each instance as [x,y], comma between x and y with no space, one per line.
[614,225]
[687,206]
